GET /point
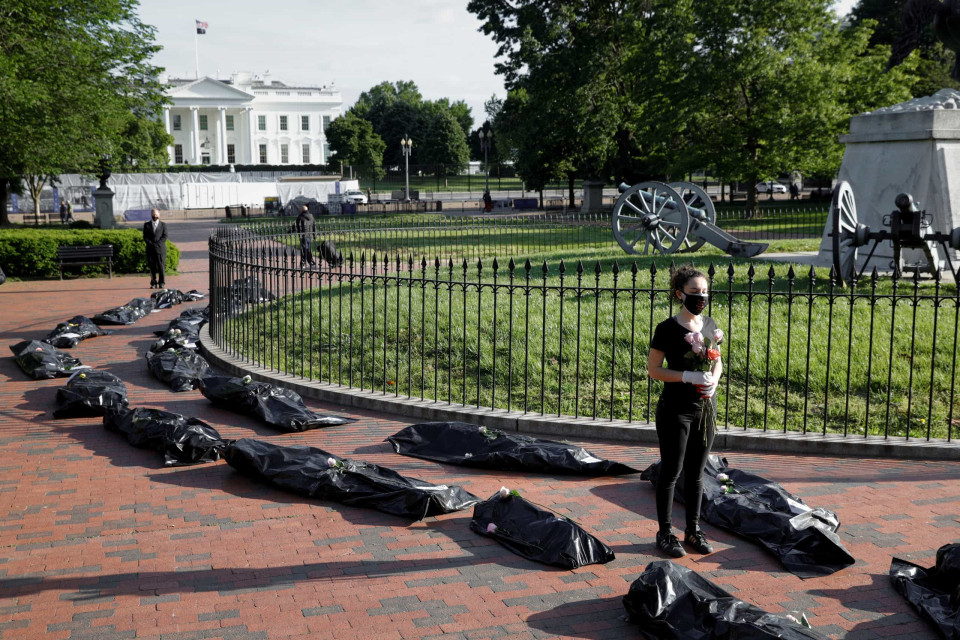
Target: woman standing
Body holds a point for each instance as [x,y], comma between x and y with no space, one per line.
[685,424]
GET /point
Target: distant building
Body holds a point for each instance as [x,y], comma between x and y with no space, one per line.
[247,120]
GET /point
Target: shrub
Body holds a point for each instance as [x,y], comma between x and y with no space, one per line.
[33,252]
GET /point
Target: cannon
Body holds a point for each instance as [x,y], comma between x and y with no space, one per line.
[909,228]
[675,217]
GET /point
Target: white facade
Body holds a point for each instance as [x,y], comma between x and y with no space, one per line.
[248,121]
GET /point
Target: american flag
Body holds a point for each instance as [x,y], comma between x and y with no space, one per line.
[202,27]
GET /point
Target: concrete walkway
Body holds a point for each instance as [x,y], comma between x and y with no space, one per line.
[101,541]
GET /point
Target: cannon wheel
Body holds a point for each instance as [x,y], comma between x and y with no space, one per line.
[847,231]
[653,212]
[695,198]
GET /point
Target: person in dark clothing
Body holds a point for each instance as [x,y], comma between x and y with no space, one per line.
[684,433]
[487,202]
[306,228]
[155,235]
[63,212]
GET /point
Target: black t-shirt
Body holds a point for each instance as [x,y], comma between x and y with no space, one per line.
[669,338]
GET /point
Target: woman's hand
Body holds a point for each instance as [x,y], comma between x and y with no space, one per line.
[700,378]
[708,390]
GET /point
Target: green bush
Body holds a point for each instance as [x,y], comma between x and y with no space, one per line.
[29,253]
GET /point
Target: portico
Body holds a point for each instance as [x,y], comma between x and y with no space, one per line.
[247,121]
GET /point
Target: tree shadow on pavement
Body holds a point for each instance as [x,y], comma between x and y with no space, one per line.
[594,619]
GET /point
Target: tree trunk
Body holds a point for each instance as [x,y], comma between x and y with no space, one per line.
[4,195]
[541,198]
[35,184]
[570,186]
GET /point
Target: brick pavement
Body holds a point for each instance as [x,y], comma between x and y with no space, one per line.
[101,541]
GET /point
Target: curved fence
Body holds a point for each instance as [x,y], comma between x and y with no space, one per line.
[409,314]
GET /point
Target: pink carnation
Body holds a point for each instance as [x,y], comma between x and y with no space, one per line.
[693,338]
[491,528]
[717,336]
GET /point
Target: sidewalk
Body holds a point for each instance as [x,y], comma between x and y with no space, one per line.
[101,541]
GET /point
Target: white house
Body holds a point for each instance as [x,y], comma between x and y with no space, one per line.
[246,120]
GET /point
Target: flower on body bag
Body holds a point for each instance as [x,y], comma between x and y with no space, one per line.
[491,528]
[333,463]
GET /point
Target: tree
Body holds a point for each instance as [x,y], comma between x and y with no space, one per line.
[783,78]
[932,71]
[354,143]
[71,88]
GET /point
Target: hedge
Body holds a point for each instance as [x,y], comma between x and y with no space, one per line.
[30,253]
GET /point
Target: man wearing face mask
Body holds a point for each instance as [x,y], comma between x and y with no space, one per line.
[155,235]
[684,421]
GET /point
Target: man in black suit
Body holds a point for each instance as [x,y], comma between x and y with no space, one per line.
[306,228]
[155,235]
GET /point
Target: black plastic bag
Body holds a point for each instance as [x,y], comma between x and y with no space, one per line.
[670,601]
[166,298]
[40,360]
[316,473]
[127,314]
[278,407]
[755,508]
[472,446]
[193,295]
[934,592]
[330,254]
[196,316]
[181,369]
[90,393]
[175,339]
[537,534]
[249,290]
[181,440]
[69,334]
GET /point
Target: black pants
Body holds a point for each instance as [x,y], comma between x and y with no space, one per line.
[306,253]
[681,449]
[156,261]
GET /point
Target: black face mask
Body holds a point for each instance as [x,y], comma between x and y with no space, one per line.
[695,303]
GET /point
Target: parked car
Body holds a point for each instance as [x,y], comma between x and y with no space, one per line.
[355,196]
[766,187]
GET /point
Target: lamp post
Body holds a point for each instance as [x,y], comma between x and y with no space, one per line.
[406,146]
[486,138]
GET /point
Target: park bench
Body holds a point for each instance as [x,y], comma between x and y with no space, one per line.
[71,255]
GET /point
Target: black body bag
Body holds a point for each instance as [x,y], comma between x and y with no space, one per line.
[315,473]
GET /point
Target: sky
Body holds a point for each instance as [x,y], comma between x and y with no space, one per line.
[350,44]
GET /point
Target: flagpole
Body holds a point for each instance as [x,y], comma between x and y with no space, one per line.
[196,50]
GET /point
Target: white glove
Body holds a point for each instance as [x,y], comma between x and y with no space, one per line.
[708,390]
[699,378]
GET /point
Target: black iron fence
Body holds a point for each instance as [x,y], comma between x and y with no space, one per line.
[803,353]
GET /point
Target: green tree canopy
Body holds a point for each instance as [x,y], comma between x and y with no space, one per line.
[932,70]
[439,128]
[76,85]
[353,142]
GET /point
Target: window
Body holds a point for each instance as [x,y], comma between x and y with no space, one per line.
[263,154]
[203,123]
[304,123]
[306,153]
[284,154]
[304,93]
[176,122]
[229,123]
[178,154]
[205,158]
[283,123]
[261,123]
[231,154]
[326,151]
[326,122]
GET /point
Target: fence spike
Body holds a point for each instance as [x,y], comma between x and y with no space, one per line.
[615,268]
[771,273]
[712,271]
[511,265]
[791,274]
[597,269]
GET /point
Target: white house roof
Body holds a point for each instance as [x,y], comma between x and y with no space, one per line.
[207,91]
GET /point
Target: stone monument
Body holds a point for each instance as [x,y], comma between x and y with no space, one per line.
[103,199]
[912,147]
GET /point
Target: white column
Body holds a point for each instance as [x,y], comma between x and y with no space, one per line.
[195,136]
[167,128]
[251,129]
[222,135]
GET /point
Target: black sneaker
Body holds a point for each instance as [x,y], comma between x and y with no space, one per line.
[668,543]
[698,541]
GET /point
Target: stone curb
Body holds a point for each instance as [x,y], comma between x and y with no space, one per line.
[578,428]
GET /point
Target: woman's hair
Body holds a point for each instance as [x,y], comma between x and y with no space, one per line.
[682,275]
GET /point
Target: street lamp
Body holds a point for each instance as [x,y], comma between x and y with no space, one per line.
[406,146]
[486,138]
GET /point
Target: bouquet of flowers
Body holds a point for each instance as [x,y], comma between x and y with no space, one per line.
[703,355]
